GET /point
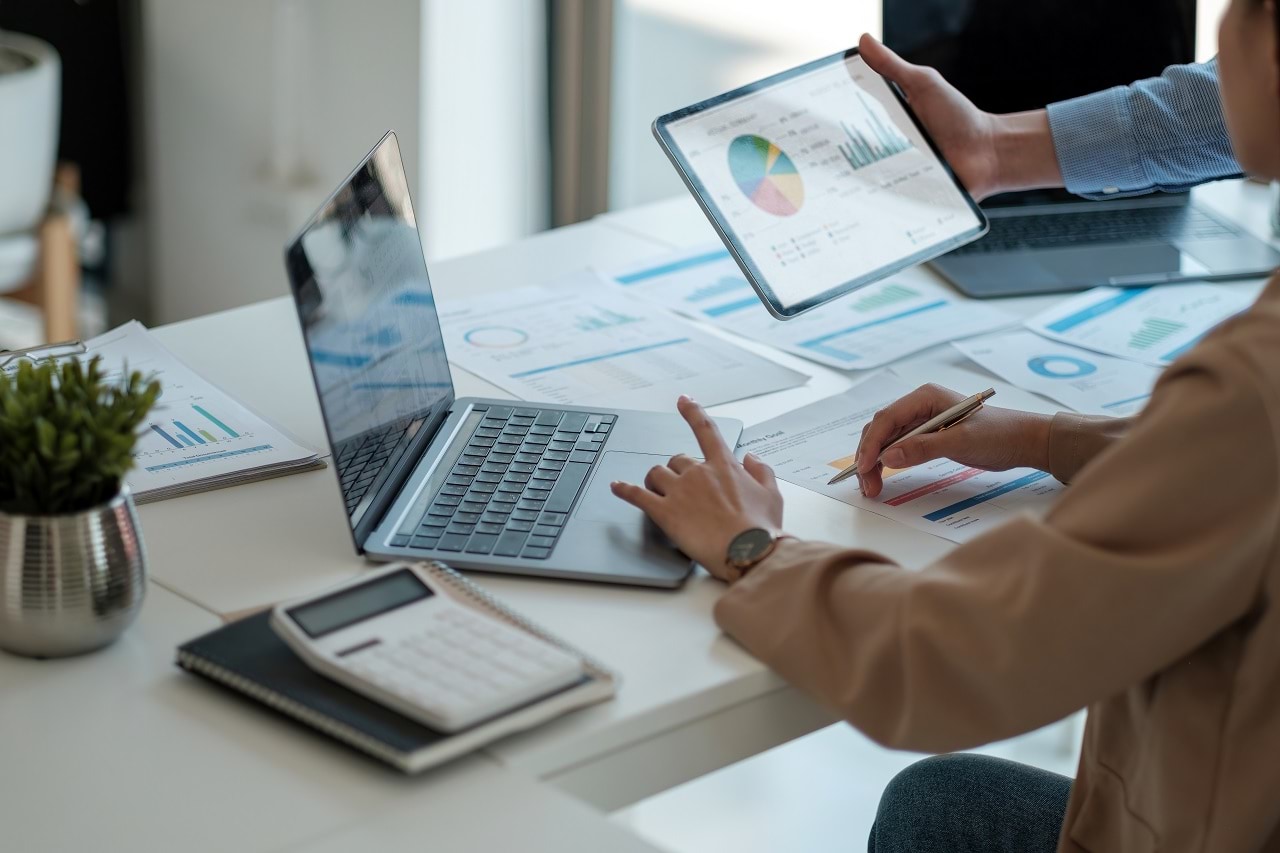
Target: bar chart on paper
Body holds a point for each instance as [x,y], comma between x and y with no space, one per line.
[196,433]
[811,444]
[872,327]
[1153,325]
[581,342]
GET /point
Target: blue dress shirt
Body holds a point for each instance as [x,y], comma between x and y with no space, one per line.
[1166,133]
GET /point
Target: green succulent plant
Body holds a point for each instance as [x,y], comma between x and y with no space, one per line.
[67,435]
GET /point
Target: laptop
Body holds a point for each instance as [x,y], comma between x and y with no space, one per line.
[495,485]
[1013,55]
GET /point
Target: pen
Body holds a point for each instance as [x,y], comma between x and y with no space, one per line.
[947,419]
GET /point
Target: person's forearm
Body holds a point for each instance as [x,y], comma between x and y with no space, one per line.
[1025,153]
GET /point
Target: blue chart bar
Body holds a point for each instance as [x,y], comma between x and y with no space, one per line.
[961,506]
[1096,310]
[822,344]
[730,307]
[194,437]
[674,266]
[1183,350]
[209,458]
[1125,402]
[186,442]
[219,424]
[600,357]
[166,436]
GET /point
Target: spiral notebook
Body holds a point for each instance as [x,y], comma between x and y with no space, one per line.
[246,656]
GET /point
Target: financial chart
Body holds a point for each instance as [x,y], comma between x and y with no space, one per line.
[1154,325]
[823,179]
[580,342]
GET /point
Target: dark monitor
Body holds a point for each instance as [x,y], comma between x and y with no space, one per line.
[1013,55]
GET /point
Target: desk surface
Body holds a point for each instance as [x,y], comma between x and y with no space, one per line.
[121,751]
[691,700]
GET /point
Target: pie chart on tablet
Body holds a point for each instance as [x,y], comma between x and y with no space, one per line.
[766,175]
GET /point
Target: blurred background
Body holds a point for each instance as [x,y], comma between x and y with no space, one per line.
[155,162]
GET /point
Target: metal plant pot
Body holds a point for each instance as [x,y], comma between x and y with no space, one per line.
[70,583]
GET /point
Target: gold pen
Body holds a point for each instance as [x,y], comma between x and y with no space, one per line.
[946,420]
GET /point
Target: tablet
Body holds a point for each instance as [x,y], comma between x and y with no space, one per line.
[820,181]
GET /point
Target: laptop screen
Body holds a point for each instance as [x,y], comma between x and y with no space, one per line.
[369,320]
[1013,55]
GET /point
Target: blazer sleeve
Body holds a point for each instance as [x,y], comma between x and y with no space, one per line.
[1074,440]
[1156,547]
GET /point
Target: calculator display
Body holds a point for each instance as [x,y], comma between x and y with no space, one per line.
[359,603]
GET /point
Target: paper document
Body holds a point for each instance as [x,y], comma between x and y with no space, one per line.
[197,437]
[811,445]
[1081,380]
[583,343]
[1154,325]
[868,328]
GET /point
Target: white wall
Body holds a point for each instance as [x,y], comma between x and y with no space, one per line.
[217,134]
[484,124]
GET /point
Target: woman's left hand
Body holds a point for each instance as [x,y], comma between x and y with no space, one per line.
[702,506]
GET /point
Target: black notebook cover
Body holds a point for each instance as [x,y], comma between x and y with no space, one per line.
[247,657]
[250,651]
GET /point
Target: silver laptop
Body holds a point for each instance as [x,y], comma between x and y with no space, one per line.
[1012,55]
[495,485]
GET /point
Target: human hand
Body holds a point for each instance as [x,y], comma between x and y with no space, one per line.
[992,439]
[989,153]
[964,133]
[702,506]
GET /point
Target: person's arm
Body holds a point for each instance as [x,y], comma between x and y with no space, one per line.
[1154,550]
[1166,133]
[992,438]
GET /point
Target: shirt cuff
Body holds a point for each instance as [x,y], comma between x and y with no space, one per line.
[1096,146]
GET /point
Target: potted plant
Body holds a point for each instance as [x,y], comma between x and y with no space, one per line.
[72,564]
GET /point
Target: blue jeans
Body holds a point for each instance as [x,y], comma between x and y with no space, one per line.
[970,804]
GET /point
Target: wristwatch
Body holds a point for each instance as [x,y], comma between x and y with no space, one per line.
[750,547]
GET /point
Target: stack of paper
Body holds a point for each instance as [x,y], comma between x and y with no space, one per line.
[198,437]
[869,328]
[580,342]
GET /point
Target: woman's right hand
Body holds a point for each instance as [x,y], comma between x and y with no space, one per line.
[991,438]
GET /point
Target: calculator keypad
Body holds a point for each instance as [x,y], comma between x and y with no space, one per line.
[457,667]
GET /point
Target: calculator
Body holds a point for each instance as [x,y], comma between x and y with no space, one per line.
[398,639]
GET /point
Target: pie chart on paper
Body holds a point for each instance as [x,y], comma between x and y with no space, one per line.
[766,175]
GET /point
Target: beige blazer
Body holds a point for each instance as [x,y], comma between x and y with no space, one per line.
[1150,594]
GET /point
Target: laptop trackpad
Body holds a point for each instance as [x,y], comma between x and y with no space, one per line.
[599,503]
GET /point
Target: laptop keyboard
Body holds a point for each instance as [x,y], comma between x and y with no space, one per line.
[510,492]
[359,461]
[1124,225]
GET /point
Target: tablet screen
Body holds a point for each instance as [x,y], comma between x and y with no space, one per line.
[820,181]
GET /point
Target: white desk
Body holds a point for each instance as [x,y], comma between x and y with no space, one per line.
[122,751]
[691,700]
[215,772]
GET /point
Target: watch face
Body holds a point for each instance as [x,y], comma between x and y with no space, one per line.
[749,546]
